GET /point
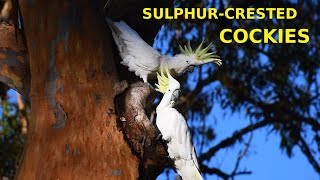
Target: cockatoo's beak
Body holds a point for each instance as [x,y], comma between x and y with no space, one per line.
[189,69]
[175,95]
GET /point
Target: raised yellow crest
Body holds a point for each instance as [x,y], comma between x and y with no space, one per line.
[201,54]
[163,80]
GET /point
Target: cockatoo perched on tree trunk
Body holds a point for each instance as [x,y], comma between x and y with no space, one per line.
[174,128]
[145,61]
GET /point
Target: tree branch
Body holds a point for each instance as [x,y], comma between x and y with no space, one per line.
[222,174]
[139,131]
[14,61]
[231,140]
[200,85]
[307,152]
[215,171]
[240,156]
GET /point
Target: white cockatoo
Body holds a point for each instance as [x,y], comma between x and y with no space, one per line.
[145,61]
[174,128]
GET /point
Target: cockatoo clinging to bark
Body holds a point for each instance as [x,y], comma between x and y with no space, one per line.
[174,128]
[145,61]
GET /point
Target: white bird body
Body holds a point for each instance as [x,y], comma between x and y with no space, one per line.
[145,61]
[175,131]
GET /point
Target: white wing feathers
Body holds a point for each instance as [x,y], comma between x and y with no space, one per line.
[187,170]
[137,55]
[185,140]
[180,146]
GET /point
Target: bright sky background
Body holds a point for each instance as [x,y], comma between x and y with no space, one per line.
[264,158]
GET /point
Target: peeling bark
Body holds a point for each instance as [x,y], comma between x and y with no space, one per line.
[14,61]
[140,133]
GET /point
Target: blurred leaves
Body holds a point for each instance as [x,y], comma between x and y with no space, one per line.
[11,138]
[274,83]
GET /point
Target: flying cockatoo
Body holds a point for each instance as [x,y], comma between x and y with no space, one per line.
[145,61]
[174,128]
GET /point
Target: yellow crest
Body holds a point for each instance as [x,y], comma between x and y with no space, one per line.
[201,54]
[163,80]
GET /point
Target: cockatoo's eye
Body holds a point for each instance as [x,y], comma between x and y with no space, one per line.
[188,62]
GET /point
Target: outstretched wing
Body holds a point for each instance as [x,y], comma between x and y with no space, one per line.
[138,55]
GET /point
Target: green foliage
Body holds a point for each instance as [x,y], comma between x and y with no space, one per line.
[11,139]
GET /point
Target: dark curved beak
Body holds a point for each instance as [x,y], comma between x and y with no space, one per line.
[175,95]
[190,68]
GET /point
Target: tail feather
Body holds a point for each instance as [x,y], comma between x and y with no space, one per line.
[197,174]
[115,34]
[187,170]
[123,29]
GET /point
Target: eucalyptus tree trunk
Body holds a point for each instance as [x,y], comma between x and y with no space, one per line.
[85,123]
